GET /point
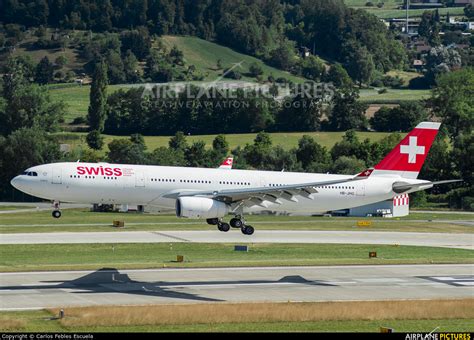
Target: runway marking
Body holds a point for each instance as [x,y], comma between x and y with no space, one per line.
[455,280]
[171,236]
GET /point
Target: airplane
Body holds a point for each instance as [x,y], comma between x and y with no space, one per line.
[211,194]
[227,163]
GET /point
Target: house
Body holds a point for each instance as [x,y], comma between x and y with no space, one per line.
[418,64]
[462,3]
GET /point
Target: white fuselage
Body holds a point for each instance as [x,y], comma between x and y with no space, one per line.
[105,183]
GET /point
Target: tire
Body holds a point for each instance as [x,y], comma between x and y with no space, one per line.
[212,221]
[248,230]
[225,227]
[56,214]
[236,223]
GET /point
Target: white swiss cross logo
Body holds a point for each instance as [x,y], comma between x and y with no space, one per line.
[412,149]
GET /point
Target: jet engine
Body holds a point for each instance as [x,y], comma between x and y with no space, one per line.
[200,207]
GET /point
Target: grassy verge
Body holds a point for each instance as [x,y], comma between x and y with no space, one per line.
[158,255]
[402,316]
[13,207]
[82,220]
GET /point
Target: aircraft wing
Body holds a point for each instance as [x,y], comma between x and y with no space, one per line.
[259,195]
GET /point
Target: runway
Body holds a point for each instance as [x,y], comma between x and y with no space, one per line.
[35,290]
[465,241]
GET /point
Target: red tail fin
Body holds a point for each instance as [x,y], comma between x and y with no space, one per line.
[407,158]
[227,163]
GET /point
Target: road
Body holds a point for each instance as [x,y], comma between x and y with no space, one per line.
[465,241]
[34,290]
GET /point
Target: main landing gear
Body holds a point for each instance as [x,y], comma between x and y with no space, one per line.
[56,212]
[236,222]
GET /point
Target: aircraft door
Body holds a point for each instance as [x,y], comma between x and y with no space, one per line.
[139,179]
[57,175]
[360,188]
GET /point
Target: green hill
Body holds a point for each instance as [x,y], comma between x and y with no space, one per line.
[204,55]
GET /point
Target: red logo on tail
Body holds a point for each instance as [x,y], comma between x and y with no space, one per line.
[411,152]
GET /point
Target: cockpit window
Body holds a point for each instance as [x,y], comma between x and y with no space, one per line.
[30,173]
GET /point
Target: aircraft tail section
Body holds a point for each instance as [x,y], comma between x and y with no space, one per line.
[407,158]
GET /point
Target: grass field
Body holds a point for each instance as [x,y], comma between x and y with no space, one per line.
[158,255]
[287,140]
[392,96]
[401,13]
[82,220]
[76,98]
[204,55]
[390,9]
[402,316]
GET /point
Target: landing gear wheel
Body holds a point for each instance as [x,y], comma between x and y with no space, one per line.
[56,213]
[225,227]
[212,221]
[236,223]
[248,230]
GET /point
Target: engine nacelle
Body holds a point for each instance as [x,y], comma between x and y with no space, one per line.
[200,207]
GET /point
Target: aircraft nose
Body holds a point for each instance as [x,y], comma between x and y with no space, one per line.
[15,182]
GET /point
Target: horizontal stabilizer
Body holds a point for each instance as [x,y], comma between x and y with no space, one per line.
[400,187]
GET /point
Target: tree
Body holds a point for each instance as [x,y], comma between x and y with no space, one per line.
[255,70]
[61,61]
[95,140]
[26,105]
[167,156]
[338,76]
[44,71]
[312,68]
[469,11]
[360,65]
[429,27]
[311,155]
[347,166]
[441,60]
[452,100]
[138,41]
[197,155]
[221,146]
[283,56]
[115,68]
[402,118]
[130,67]
[178,142]
[21,149]
[127,151]
[347,112]
[177,56]
[98,98]
[302,111]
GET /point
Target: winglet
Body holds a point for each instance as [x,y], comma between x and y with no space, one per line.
[364,174]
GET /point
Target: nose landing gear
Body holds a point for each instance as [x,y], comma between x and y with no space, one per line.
[56,212]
